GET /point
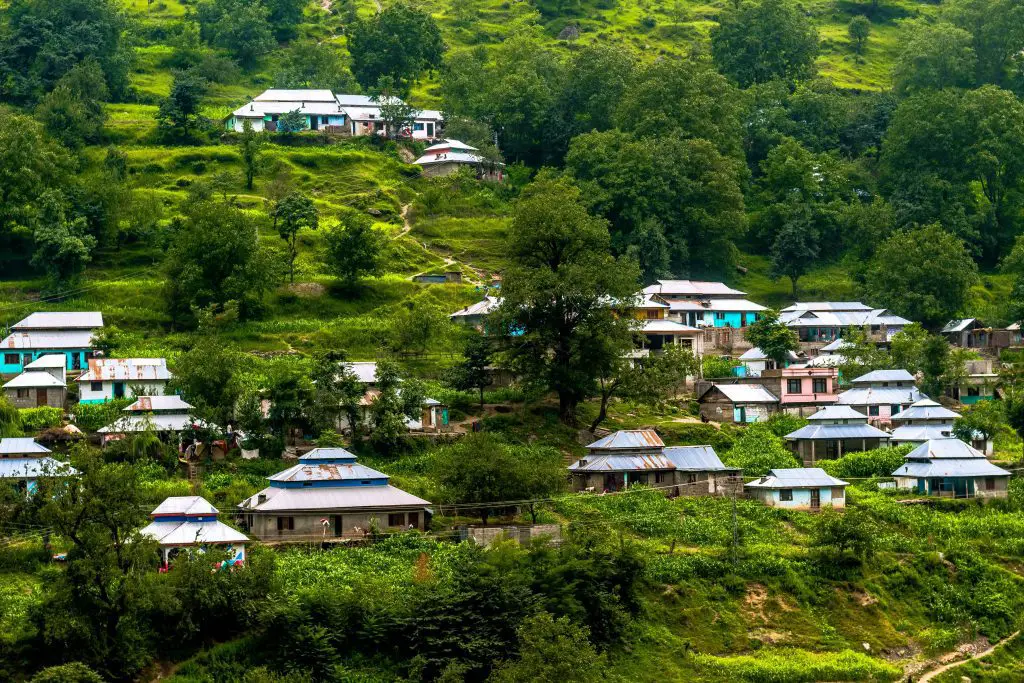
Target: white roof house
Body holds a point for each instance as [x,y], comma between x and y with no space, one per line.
[693,289]
[48,362]
[73,320]
[159,413]
[12,447]
[475,313]
[747,393]
[949,467]
[126,369]
[297,95]
[35,379]
[796,477]
[885,378]
[25,460]
[49,340]
[926,411]
[186,521]
[799,488]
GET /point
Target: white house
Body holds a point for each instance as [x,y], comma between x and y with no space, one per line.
[162,414]
[826,321]
[705,304]
[67,333]
[110,378]
[44,383]
[799,488]
[433,416]
[190,522]
[24,461]
[319,109]
[362,117]
[448,156]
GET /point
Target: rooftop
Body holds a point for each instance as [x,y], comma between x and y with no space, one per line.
[365,371]
[484,307]
[126,369]
[327,455]
[667,327]
[756,353]
[830,431]
[34,379]
[33,468]
[190,532]
[877,396]
[716,305]
[72,320]
[747,393]
[692,288]
[159,404]
[21,446]
[884,376]
[341,498]
[838,413]
[48,362]
[628,439]
[926,409]
[950,447]
[296,95]
[184,505]
[796,477]
[27,340]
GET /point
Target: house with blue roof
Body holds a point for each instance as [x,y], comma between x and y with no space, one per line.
[190,523]
[949,468]
[23,462]
[881,394]
[639,456]
[832,432]
[799,488]
[328,495]
[42,333]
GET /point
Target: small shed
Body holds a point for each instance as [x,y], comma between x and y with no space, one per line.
[187,522]
[38,387]
[799,488]
[739,403]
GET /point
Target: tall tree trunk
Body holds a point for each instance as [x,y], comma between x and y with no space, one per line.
[566,408]
[481,399]
[793,279]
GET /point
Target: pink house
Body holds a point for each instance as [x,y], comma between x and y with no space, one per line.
[805,390]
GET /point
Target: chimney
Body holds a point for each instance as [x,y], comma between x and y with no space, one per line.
[261,499]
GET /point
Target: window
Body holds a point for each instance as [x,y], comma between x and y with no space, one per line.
[990,484]
[285,523]
[307,483]
[794,386]
[365,482]
[325,120]
[973,391]
[873,411]
[653,314]
[691,478]
[719,316]
[819,385]
[396,519]
[11,359]
[22,393]
[95,386]
[417,126]
[894,408]
[659,477]
[786,494]
[838,493]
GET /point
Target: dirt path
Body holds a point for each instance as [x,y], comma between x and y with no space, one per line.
[952,665]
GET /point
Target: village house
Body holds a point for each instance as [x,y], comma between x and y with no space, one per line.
[113,378]
[926,420]
[833,432]
[639,456]
[820,322]
[475,315]
[830,355]
[804,390]
[319,110]
[658,335]
[23,461]
[799,488]
[363,117]
[881,394]
[950,468]
[705,304]
[165,415]
[754,361]
[738,403]
[967,333]
[329,495]
[190,522]
[43,383]
[978,382]
[448,156]
[433,415]
[69,334]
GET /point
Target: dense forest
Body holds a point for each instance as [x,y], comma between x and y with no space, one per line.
[828,150]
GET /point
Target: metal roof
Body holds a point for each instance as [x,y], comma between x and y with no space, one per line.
[926,409]
[33,468]
[746,393]
[346,100]
[949,447]
[21,446]
[257,110]
[691,287]
[921,433]
[837,345]
[858,318]
[872,396]
[47,340]
[327,454]
[958,325]
[455,157]
[950,467]
[716,305]
[151,404]
[826,306]
[34,379]
[56,320]
[635,462]
[696,459]
[823,432]
[756,353]
[48,362]
[192,533]
[184,505]
[126,369]
[631,439]
[365,371]
[333,499]
[296,95]
[484,307]
[838,413]
[160,422]
[883,376]
[667,327]
[795,478]
[305,471]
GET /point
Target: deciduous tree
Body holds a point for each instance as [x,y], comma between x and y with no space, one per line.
[355,249]
[401,42]
[292,214]
[773,337]
[474,370]
[250,148]
[758,42]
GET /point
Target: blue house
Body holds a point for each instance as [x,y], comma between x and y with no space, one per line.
[319,109]
[705,304]
[190,522]
[41,334]
[799,488]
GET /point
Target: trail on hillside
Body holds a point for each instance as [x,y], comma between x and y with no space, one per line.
[952,665]
[474,278]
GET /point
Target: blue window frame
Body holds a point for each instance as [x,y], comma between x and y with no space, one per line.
[417,126]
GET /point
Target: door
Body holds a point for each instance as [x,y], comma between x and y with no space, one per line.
[314,122]
[815,499]
[739,414]
[339,529]
[430,130]
[118,389]
[40,397]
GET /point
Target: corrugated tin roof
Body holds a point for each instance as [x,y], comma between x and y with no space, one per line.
[877,396]
[168,403]
[328,472]
[57,320]
[820,432]
[256,110]
[333,499]
[365,371]
[327,454]
[716,305]
[926,409]
[126,369]
[161,422]
[756,353]
[827,306]
[347,100]
[33,468]
[950,467]
[796,477]
[949,447]
[667,327]
[884,376]
[747,393]
[634,462]
[691,287]
[48,362]
[958,325]
[819,318]
[921,433]
[838,413]
[192,533]
[184,505]
[295,95]
[696,459]
[34,379]
[631,439]
[485,307]
[21,446]
[837,345]
[47,340]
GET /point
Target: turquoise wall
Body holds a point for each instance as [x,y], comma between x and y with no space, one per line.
[16,368]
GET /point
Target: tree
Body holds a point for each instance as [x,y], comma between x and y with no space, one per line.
[398,399]
[552,650]
[291,122]
[795,248]
[923,274]
[395,114]
[759,450]
[284,17]
[935,56]
[401,42]
[481,469]
[355,249]
[215,258]
[997,30]
[985,419]
[250,148]
[474,370]
[850,531]
[241,27]
[63,247]
[179,114]
[1013,399]
[935,365]
[336,392]
[73,111]
[763,41]
[311,64]
[907,348]
[774,338]
[209,376]
[10,419]
[556,292]
[290,394]
[416,325]
[858,30]
[292,214]
[73,672]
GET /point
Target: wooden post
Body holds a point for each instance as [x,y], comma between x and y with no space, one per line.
[812,451]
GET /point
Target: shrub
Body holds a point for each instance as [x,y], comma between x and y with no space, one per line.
[796,666]
[43,417]
[90,417]
[880,462]
[758,450]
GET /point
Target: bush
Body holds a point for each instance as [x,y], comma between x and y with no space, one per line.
[43,417]
[89,417]
[796,666]
[75,672]
[880,462]
[759,450]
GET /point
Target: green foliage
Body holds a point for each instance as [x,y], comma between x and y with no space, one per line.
[797,666]
[758,450]
[10,419]
[292,214]
[878,462]
[716,366]
[63,247]
[250,147]
[400,42]
[73,111]
[474,371]
[984,418]
[91,416]
[551,650]
[242,28]
[764,41]
[935,56]
[851,530]
[309,64]
[859,29]
[75,672]
[43,417]
[775,339]
[355,249]
[179,116]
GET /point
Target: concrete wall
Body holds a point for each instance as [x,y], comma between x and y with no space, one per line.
[801,498]
[87,395]
[308,525]
[670,482]
[77,359]
[55,397]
